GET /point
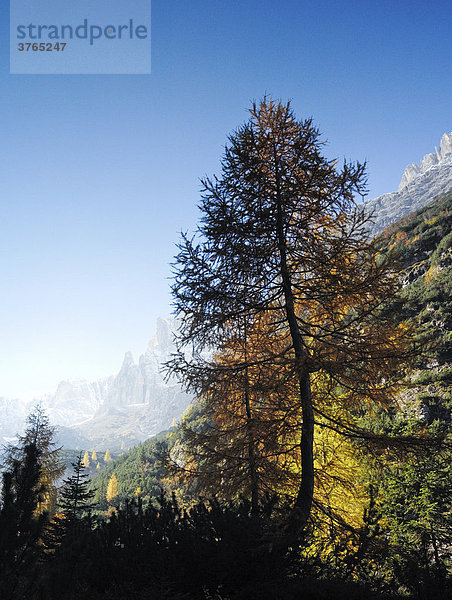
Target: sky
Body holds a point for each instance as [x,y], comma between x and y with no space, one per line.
[100,173]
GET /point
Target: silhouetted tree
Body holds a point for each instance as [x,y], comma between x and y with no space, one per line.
[281,234]
[40,433]
[20,527]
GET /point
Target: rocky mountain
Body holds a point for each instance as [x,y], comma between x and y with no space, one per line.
[419,185]
[118,410]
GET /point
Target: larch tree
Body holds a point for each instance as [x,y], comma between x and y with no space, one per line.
[107,456]
[282,235]
[235,452]
[112,488]
[85,460]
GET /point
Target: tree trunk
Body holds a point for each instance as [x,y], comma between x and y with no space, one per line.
[250,434]
[303,503]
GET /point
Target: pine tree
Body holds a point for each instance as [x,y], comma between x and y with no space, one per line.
[112,488]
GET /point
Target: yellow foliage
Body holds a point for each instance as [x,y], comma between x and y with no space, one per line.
[431,221]
[112,488]
[431,273]
[85,461]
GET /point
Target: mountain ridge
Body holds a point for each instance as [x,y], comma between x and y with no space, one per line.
[128,407]
[419,185]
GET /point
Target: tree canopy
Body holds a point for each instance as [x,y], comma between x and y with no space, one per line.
[283,240]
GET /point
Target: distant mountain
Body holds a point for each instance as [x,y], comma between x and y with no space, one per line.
[420,184]
[118,410]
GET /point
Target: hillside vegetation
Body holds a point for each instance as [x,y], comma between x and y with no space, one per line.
[316,461]
[423,244]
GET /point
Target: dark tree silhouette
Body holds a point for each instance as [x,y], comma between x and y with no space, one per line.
[40,433]
[20,528]
[281,235]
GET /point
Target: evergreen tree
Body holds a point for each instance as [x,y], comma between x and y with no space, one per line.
[75,505]
[40,433]
[76,495]
[20,526]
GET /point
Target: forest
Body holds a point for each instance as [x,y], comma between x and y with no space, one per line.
[315,462]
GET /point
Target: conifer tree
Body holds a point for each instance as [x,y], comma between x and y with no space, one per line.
[94,455]
[107,457]
[76,495]
[21,527]
[75,505]
[112,488]
[282,235]
[40,433]
[85,461]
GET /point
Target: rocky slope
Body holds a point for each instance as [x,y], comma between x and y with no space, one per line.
[420,184]
[118,410]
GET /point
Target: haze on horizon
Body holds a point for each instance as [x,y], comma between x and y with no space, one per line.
[100,173]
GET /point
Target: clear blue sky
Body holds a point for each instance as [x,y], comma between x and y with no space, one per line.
[98,174]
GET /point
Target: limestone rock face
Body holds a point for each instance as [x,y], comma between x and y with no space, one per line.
[141,402]
[430,160]
[13,413]
[420,184]
[76,400]
[129,407]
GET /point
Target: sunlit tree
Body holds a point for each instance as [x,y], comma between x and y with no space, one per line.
[85,460]
[282,235]
[112,488]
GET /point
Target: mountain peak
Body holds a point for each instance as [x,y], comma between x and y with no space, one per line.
[128,360]
[429,161]
[420,184]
